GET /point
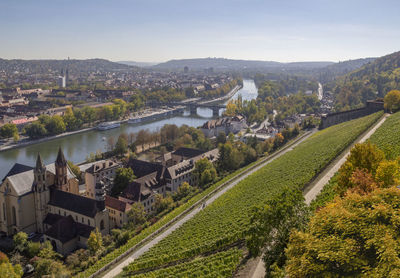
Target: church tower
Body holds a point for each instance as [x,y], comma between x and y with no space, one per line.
[61,171]
[40,193]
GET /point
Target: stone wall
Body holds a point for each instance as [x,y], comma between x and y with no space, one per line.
[371,107]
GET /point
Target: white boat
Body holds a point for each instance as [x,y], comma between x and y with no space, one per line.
[108,125]
[134,120]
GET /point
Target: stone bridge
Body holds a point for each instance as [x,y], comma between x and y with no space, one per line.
[193,107]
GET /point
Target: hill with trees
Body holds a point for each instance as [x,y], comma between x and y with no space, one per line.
[46,66]
[231,64]
[373,80]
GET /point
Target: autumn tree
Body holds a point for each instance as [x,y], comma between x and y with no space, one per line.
[362,156]
[392,101]
[355,236]
[231,109]
[122,145]
[95,241]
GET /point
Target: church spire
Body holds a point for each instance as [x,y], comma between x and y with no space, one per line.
[61,161]
[39,164]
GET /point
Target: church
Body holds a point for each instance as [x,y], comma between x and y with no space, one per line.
[45,199]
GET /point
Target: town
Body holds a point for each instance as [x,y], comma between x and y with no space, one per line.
[237,139]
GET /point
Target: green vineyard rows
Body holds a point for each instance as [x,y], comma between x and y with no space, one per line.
[225,221]
[222,264]
[387,136]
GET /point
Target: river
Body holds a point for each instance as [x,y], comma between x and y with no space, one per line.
[78,146]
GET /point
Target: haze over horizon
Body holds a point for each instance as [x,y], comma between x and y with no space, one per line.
[158,31]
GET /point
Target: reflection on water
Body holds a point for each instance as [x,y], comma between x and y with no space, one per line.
[77,147]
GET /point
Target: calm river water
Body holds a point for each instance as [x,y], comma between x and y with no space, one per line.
[77,147]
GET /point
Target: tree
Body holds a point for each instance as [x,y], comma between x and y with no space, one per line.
[8,130]
[362,156]
[121,146]
[230,158]
[142,137]
[137,214]
[71,122]
[355,236]
[204,172]
[231,109]
[20,241]
[388,173]
[10,271]
[392,101]
[271,224]
[48,263]
[75,169]
[221,138]
[183,190]
[95,241]
[123,177]
[55,125]
[162,203]
[35,130]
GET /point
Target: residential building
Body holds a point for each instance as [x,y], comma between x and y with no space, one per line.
[227,125]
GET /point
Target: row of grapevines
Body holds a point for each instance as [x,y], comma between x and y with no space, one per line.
[387,136]
[222,264]
[146,232]
[226,220]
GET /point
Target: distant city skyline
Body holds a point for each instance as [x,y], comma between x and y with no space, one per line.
[158,31]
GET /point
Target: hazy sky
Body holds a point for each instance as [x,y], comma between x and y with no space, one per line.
[147,30]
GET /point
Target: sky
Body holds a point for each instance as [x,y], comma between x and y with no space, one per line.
[157,31]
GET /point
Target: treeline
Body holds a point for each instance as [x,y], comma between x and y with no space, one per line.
[373,80]
[74,119]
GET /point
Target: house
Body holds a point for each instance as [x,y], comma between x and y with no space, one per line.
[99,178]
[117,210]
[227,125]
[45,199]
[164,176]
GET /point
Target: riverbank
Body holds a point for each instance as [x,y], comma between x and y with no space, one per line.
[28,142]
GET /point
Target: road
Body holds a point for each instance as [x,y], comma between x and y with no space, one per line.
[320,91]
[116,269]
[318,184]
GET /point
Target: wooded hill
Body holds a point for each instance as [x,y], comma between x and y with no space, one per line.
[374,79]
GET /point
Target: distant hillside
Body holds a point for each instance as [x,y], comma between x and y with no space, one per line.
[230,64]
[330,72]
[374,79]
[46,66]
[137,64]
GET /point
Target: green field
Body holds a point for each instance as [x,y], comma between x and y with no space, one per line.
[225,221]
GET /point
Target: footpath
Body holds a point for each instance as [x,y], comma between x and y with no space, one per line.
[311,192]
[116,267]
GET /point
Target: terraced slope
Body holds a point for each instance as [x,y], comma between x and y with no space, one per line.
[225,221]
[387,137]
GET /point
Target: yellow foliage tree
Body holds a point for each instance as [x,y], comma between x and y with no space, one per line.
[392,100]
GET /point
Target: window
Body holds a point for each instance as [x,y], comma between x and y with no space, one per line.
[76,217]
[83,220]
[102,225]
[59,212]
[65,214]
[120,214]
[88,222]
[4,211]
[14,216]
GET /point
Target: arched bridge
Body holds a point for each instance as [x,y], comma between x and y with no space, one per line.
[193,107]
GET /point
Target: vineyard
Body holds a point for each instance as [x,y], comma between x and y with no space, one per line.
[225,221]
[222,264]
[387,136]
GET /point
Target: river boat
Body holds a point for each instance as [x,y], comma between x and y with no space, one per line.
[108,125]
